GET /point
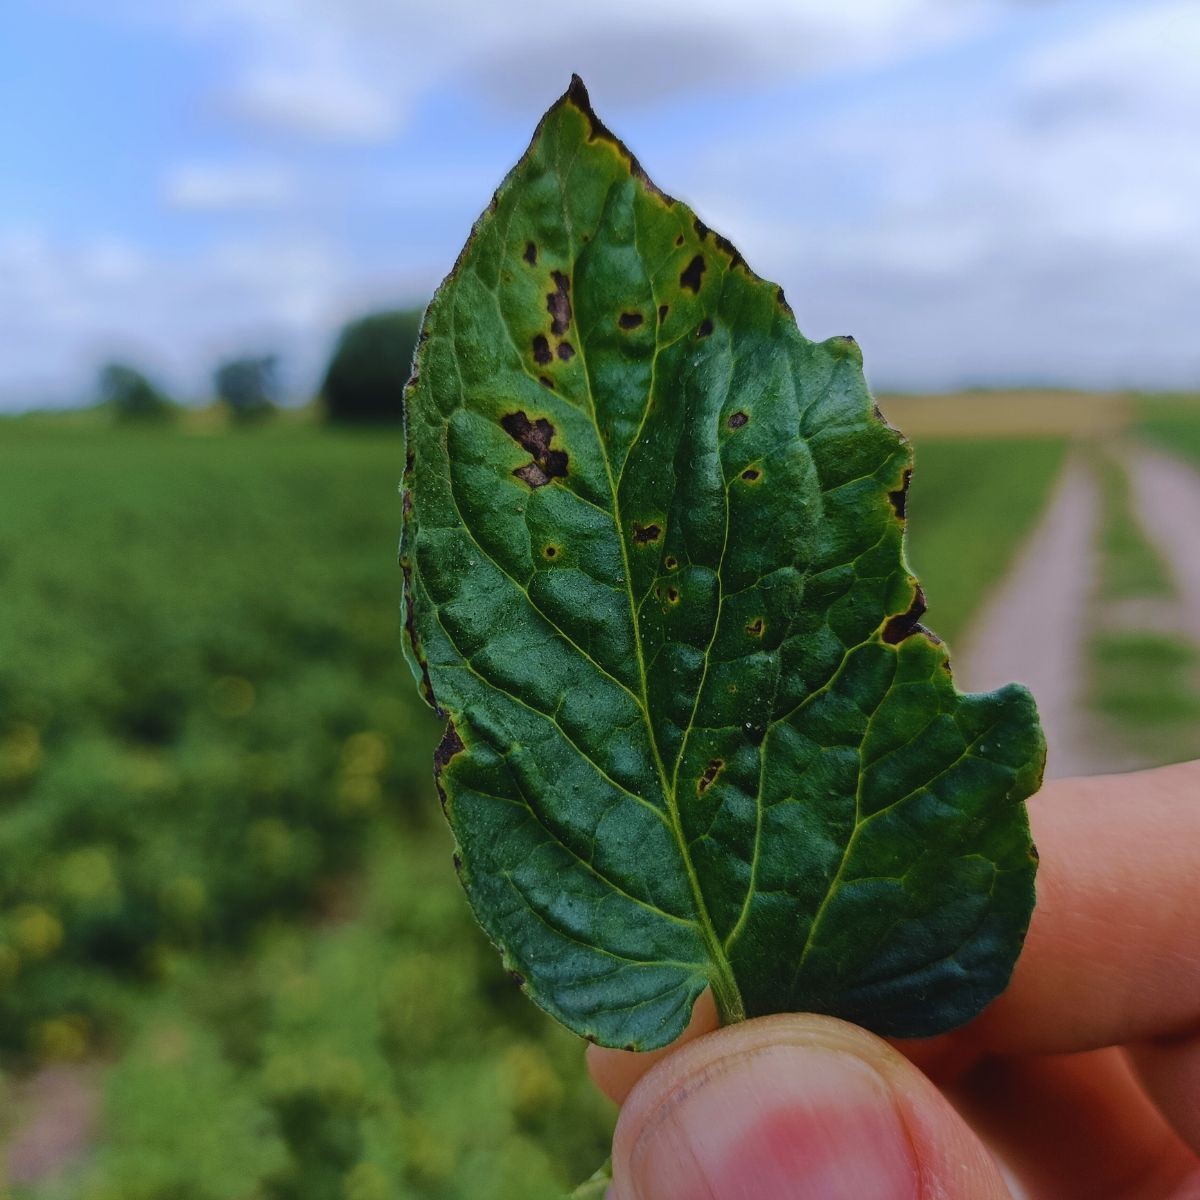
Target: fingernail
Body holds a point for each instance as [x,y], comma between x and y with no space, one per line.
[781,1123]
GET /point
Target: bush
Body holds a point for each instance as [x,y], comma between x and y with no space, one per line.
[248,386]
[369,367]
[130,395]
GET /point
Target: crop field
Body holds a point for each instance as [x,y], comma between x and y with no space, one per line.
[229,926]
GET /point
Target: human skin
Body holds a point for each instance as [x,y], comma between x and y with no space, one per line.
[1083,1078]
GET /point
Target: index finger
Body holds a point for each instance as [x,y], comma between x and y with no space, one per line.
[1113,952]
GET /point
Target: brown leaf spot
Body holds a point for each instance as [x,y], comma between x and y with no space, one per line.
[558,304]
[899,498]
[679,240]
[535,437]
[531,254]
[456,858]
[450,745]
[690,276]
[706,327]
[672,595]
[711,772]
[755,628]
[566,351]
[630,320]
[541,350]
[737,420]
[670,562]
[642,534]
[663,309]
[751,474]
[546,382]
[516,977]
[907,623]
[550,551]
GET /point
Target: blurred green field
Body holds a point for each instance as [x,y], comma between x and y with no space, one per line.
[223,874]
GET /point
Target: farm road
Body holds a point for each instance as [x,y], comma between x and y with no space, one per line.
[1032,628]
[1166,493]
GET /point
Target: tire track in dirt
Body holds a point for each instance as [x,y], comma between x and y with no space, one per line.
[1033,627]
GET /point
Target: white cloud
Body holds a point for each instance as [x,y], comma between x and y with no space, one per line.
[1046,231]
[355,69]
[215,187]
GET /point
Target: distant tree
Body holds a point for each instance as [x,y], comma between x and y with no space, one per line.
[369,366]
[130,395]
[249,386]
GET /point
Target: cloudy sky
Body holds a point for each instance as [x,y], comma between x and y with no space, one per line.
[981,191]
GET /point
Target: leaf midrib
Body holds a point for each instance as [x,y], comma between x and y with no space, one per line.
[725,989]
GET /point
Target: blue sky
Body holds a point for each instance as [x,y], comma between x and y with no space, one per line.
[981,191]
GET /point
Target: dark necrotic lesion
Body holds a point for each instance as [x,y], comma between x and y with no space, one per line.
[558,304]
[630,320]
[535,437]
[691,275]
[541,349]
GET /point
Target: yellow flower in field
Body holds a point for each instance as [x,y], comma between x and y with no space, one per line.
[231,696]
[37,933]
[185,897]
[367,1181]
[529,1077]
[358,794]
[88,875]
[364,753]
[61,1039]
[20,754]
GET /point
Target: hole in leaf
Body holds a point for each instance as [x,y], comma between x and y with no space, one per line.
[755,628]
[907,623]
[710,774]
[899,498]
[630,320]
[642,534]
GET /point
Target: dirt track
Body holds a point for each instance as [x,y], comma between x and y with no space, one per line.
[1032,628]
[1166,494]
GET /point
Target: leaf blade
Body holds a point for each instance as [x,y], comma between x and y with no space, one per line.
[654,573]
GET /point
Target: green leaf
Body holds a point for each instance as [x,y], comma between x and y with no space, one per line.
[596,1187]
[655,578]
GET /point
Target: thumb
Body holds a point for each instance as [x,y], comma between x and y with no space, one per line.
[795,1108]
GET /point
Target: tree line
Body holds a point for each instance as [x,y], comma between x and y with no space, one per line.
[362,383]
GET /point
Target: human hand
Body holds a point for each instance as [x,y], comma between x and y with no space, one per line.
[1083,1078]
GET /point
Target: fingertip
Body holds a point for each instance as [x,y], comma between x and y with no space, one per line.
[616,1072]
[802,1107]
